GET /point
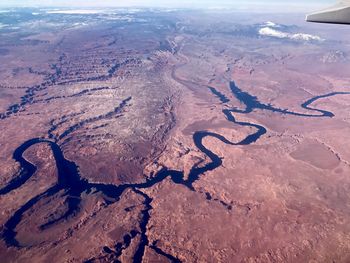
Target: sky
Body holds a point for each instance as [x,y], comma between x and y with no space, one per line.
[166,3]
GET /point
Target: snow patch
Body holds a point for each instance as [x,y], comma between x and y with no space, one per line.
[76,12]
[271,24]
[3,25]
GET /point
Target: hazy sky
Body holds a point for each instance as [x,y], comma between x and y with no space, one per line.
[163,3]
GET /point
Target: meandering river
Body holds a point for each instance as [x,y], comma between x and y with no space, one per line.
[70,182]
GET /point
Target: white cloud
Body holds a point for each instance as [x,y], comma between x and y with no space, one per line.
[267,31]
[306,37]
[271,32]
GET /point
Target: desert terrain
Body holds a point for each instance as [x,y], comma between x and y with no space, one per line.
[145,135]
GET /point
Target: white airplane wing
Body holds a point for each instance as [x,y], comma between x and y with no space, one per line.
[338,14]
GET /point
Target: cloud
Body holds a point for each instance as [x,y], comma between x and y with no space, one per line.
[269,29]
[248,5]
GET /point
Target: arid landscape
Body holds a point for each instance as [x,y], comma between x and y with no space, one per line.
[153,135]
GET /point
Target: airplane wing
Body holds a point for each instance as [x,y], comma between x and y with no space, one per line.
[338,14]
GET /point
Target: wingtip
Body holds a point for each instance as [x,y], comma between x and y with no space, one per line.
[312,18]
[336,15]
[307,18]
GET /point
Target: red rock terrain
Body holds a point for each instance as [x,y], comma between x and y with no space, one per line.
[175,137]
